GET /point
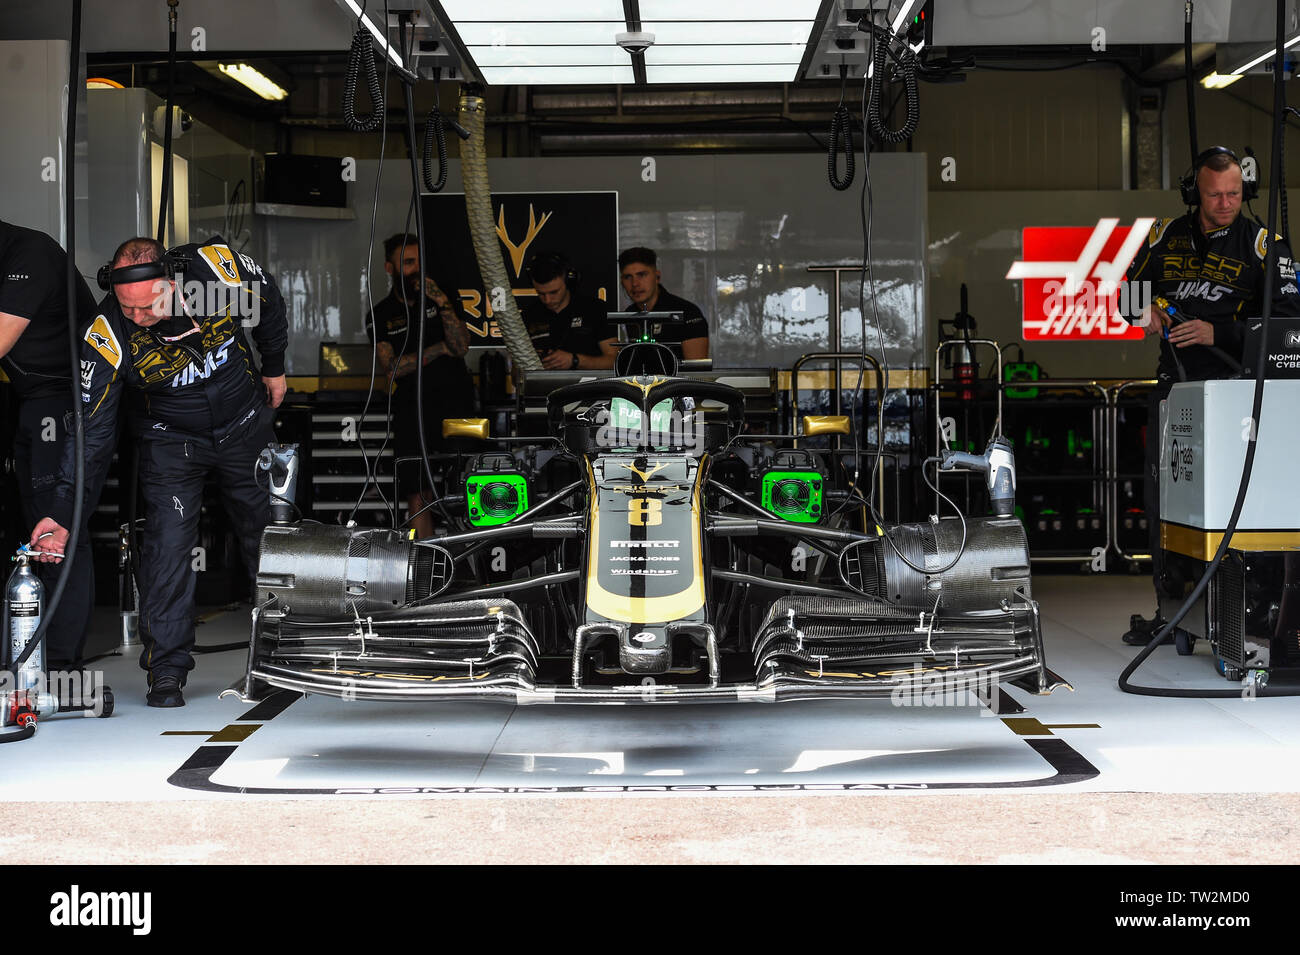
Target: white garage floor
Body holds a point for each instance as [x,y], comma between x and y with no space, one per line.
[1093,740]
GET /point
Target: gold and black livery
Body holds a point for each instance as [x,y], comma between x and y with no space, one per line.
[647,570]
[204,385]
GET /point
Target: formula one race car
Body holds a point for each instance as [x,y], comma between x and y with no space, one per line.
[648,551]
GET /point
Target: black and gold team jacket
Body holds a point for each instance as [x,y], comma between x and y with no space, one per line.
[1217,277]
[205,385]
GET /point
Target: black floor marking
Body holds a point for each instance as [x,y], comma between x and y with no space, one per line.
[196,774]
[1007,703]
[271,707]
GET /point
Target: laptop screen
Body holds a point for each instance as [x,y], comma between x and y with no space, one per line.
[1282,354]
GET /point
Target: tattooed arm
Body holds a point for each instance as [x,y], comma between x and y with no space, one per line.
[455,336]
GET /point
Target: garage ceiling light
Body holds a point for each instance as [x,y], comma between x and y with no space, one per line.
[904,12]
[550,75]
[506,11]
[729,32]
[492,56]
[1217,81]
[540,33]
[716,73]
[374,31]
[1266,55]
[723,55]
[255,80]
[696,41]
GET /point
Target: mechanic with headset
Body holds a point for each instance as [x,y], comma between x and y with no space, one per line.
[448,390]
[568,329]
[171,331]
[1209,265]
[35,355]
[638,270]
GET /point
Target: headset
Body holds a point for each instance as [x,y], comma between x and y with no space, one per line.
[1187,185]
[164,268]
[557,262]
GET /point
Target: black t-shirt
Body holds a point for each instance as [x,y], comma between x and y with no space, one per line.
[579,327]
[693,324]
[33,285]
[448,389]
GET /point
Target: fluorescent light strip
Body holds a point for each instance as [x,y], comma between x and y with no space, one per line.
[540,33]
[738,54]
[548,75]
[1260,59]
[902,16]
[739,73]
[726,32]
[506,11]
[726,9]
[494,56]
[1217,81]
[254,79]
[375,32]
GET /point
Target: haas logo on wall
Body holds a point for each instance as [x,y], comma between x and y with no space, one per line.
[1074,286]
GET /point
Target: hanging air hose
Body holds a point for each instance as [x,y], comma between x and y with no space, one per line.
[1281,177]
[841,140]
[1190,80]
[906,61]
[1270,262]
[487,247]
[166,188]
[74,351]
[361,58]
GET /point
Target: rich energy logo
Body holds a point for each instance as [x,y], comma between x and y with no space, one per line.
[1074,285]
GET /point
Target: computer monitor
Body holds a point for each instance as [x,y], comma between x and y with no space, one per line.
[1282,356]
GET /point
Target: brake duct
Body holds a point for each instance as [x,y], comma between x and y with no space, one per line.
[478,209]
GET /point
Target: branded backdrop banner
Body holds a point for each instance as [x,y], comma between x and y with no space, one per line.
[581,226]
[1074,281]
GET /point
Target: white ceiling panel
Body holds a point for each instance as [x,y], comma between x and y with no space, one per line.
[550,75]
[504,11]
[535,33]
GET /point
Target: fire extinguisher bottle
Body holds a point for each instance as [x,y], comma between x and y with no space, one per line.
[24,604]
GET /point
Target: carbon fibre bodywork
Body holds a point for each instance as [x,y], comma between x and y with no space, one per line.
[659,584]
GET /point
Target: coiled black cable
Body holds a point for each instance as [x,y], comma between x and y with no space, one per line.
[361,57]
[906,61]
[841,140]
[434,133]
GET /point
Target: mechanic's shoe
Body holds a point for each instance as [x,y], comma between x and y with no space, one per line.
[1141,630]
[165,690]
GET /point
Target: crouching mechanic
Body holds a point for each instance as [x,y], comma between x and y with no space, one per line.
[171,332]
[1209,264]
